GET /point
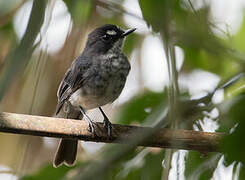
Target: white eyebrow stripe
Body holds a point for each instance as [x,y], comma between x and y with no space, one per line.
[111,32]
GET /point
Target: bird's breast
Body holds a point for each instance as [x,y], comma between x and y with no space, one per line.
[104,86]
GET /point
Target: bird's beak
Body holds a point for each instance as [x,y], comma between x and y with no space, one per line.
[127,32]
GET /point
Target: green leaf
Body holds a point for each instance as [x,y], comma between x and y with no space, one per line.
[49,173]
[239,38]
[79,10]
[200,167]
[232,145]
[147,164]
[151,167]
[131,43]
[155,14]
[200,59]
[141,106]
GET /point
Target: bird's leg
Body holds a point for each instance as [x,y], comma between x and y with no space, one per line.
[67,109]
[106,122]
[89,121]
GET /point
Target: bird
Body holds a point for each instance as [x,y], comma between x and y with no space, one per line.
[95,78]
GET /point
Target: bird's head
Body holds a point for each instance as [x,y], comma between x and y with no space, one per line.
[107,38]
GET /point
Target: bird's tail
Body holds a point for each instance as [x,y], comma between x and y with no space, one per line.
[67,150]
[66,153]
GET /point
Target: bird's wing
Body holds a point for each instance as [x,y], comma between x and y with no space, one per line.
[63,87]
[63,92]
[79,72]
[72,80]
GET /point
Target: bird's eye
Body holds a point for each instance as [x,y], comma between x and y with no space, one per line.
[106,37]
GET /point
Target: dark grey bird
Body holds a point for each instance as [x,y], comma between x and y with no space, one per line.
[94,79]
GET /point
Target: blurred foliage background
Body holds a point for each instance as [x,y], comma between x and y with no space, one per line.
[187,58]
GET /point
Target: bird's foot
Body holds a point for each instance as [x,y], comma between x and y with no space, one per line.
[106,123]
[89,121]
[91,126]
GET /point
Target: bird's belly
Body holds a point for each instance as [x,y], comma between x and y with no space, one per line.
[87,101]
[90,97]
